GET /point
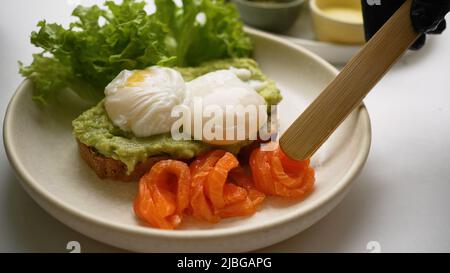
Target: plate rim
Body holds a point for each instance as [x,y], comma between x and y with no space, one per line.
[316,43]
[342,185]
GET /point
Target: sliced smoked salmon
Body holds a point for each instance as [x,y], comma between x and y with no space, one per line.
[216,190]
[276,174]
[164,194]
[215,186]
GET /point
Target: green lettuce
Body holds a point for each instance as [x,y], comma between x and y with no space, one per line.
[101,42]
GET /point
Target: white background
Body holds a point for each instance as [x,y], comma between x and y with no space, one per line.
[401,199]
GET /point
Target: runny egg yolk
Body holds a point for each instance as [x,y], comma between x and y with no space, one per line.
[137,78]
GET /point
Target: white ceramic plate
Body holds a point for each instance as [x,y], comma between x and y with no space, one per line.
[43,152]
[302,33]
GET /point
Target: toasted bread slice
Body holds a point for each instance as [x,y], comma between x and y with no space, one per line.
[110,168]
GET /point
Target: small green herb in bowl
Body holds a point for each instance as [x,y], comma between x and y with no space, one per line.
[275,16]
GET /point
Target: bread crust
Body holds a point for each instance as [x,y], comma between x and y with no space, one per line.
[110,168]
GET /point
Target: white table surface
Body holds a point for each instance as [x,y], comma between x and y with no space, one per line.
[400,200]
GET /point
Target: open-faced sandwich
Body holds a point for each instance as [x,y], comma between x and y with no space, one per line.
[180,105]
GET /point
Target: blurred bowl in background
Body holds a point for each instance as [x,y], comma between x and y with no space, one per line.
[338,21]
[275,16]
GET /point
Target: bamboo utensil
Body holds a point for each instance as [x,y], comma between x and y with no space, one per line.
[313,127]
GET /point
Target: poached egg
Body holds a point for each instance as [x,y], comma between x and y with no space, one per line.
[224,92]
[141,101]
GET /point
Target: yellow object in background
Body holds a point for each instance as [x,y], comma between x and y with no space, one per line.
[338,21]
[346,14]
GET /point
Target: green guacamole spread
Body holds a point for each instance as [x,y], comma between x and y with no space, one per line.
[94,128]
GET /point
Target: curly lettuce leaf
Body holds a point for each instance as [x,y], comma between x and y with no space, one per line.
[101,42]
[204,30]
